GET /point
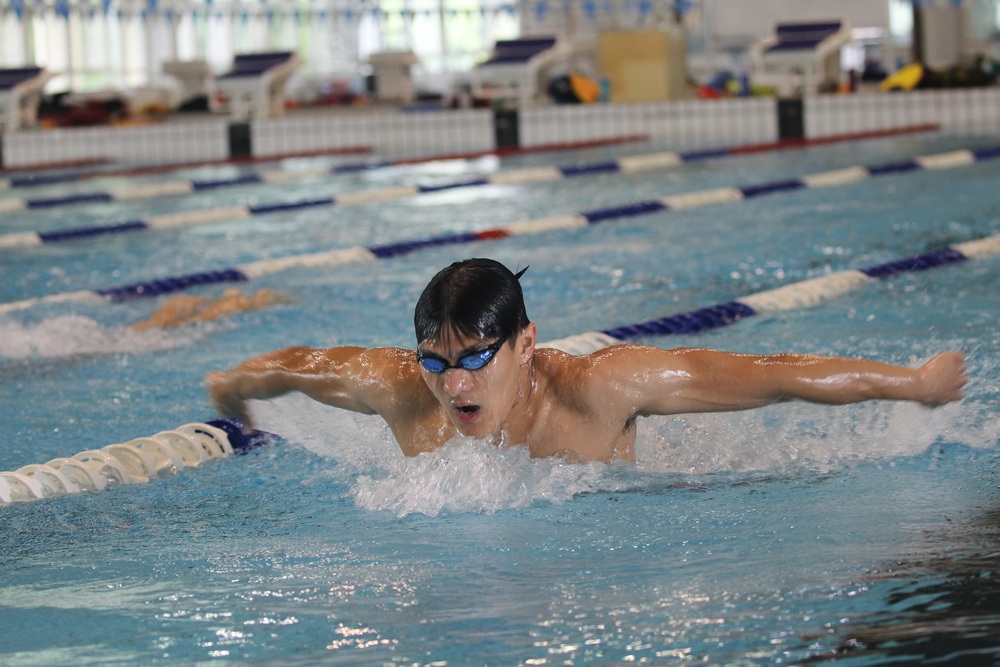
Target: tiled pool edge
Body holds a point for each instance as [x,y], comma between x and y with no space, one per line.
[681,125]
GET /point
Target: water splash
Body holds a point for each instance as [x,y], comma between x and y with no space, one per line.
[71,335]
[803,437]
[463,476]
[473,476]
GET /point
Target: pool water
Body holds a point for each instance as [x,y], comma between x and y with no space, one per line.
[789,535]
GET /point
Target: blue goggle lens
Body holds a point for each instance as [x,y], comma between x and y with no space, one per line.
[470,362]
[474,362]
[432,365]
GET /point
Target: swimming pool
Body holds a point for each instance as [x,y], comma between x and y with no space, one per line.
[796,533]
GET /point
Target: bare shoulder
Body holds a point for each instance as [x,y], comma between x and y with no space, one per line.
[614,375]
[359,375]
[358,360]
[623,359]
[390,376]
[394,366]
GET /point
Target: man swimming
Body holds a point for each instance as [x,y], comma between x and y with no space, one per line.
[478,372]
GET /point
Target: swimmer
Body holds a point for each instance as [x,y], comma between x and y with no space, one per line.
[185,309]
[477,372]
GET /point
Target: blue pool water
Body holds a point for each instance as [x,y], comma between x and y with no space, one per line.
[863,535]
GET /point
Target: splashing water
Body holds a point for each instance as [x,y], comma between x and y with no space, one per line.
[795,437]
[474,476]
[71,335]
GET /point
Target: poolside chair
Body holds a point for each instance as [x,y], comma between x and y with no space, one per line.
[20,95]
[518,69]
[255,86]
[804,56]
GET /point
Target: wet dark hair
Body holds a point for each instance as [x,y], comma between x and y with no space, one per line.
[474,298]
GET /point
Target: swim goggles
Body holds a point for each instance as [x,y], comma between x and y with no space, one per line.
[472,361]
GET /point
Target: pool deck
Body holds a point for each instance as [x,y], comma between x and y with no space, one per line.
[391,131]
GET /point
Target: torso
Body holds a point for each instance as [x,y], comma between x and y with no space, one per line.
[556,420]
[577,438]
[567,424]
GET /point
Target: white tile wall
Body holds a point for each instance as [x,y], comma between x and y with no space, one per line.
[973,110]
[683,125]
[150,144]
[382,131]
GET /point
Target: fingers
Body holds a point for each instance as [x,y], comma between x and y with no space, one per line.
[944,377]
[955,369]
[224,394]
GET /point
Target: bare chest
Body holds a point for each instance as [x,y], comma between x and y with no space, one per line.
[575,436]
[553,431]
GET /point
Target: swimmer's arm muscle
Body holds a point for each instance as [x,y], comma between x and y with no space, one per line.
[350,378]
[690,380]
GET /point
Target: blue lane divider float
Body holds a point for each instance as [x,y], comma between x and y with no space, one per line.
[631,164]
[38,180]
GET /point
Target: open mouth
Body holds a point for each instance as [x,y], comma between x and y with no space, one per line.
[466,413]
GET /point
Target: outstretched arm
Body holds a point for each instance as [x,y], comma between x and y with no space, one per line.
[352,378]
[690,380]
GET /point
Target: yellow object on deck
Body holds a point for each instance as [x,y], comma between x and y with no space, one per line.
[906,78]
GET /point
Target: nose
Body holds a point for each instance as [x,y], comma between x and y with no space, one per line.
[457,381]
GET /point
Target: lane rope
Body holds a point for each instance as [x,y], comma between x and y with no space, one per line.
[134,462]
[165,453]
[262,176]
[146,170]
[801,294]
[361,254]
[626,165]
[36,180]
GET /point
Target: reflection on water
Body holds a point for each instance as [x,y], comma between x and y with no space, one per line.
[942,611]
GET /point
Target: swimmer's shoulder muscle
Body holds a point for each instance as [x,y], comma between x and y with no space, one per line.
[380,380]
[616,379]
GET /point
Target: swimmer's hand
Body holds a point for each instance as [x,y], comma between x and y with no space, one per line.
[227,397]
[942,379]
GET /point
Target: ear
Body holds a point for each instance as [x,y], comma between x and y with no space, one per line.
[526,343]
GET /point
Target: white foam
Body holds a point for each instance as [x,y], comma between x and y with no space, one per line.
[800,437]
[474,476]
[468,476]
[463,476]
[70,335]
